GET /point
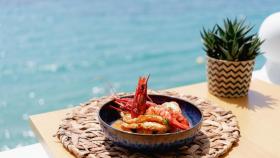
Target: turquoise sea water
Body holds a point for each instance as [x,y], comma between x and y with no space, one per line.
[56,54]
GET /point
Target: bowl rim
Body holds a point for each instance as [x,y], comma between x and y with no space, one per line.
[158,134]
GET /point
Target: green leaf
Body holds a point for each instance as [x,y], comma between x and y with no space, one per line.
[165,121]
[231,41]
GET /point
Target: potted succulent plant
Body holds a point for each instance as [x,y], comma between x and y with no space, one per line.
[231,52]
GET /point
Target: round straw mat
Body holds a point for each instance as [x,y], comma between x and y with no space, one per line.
[81,134]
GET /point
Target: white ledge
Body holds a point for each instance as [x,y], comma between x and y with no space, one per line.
[34,150]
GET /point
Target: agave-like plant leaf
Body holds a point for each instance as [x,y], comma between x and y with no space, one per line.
[231,41]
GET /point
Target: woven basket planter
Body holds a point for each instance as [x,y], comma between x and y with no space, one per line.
[229,78]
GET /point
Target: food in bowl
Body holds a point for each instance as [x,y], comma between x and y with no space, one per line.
[141,115]
[153,131]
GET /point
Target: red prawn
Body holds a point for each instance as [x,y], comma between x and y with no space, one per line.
[139,104]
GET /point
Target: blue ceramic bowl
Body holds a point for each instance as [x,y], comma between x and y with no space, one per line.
[151,142]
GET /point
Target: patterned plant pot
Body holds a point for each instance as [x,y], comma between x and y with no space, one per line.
[229,78]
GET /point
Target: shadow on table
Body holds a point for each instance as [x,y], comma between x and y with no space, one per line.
[253,101]
[227,153]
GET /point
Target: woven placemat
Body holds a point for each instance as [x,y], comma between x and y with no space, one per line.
[81,134]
